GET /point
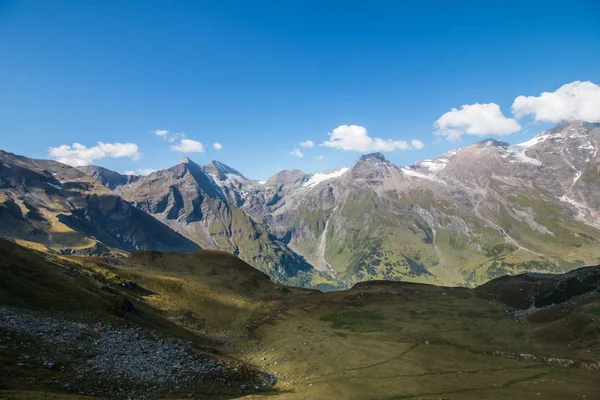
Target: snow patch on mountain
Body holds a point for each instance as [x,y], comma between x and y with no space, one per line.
[325,176]
[434,166]
[518,151]
[415,174]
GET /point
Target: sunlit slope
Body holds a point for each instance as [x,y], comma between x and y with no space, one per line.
[399,341]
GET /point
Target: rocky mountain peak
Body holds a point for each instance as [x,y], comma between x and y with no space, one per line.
[375,169]
[190,172]
[373,161]
[373,157]
[220,171]
[287,176]
[491,143]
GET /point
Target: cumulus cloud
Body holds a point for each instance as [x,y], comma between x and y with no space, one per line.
[78,155]
[129,172]
[308,144]
[320,157]
[572,101]
[417,144]
[217,145]
[297,153]
[356,138]
[475,119]
[188,146]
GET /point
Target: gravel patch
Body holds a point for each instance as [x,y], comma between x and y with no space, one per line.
[146,364]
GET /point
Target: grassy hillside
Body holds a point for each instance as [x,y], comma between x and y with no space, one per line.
[378,340]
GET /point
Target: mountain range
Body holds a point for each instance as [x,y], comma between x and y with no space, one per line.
[462,218]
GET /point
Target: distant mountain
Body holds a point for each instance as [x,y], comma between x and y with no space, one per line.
[61,208]
[108,178]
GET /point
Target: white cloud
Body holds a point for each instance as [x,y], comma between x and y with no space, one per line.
[572,101]
[188,146]
[217,145]
[320,157]
[78,155]
[475,119]
[417,144]
[129,172]
[169,136]
[296,152]
[145,171]
[308,144]
[355,138]
[161,132]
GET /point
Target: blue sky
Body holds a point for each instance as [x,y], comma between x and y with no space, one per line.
[259,77]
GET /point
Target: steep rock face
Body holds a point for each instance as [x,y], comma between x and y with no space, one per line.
[63,209]
[237,189]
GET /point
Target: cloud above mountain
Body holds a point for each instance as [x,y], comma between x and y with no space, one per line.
[78,155]
[475,119]
[575,101]
[217,146]
[140,171]
[146,171]
[571,102]
[168,136]
[417,144]
[307,144]
[297,153]
[188,146]
[356,138]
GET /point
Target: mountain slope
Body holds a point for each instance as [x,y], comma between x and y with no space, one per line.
[64,210]
[143,328]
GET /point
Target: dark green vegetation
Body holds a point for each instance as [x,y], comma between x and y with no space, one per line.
[378,340]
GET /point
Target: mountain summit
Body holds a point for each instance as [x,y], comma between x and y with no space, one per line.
[372,157]
[221,172]
[374,170]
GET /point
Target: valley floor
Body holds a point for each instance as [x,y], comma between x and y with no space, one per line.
[422,342]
